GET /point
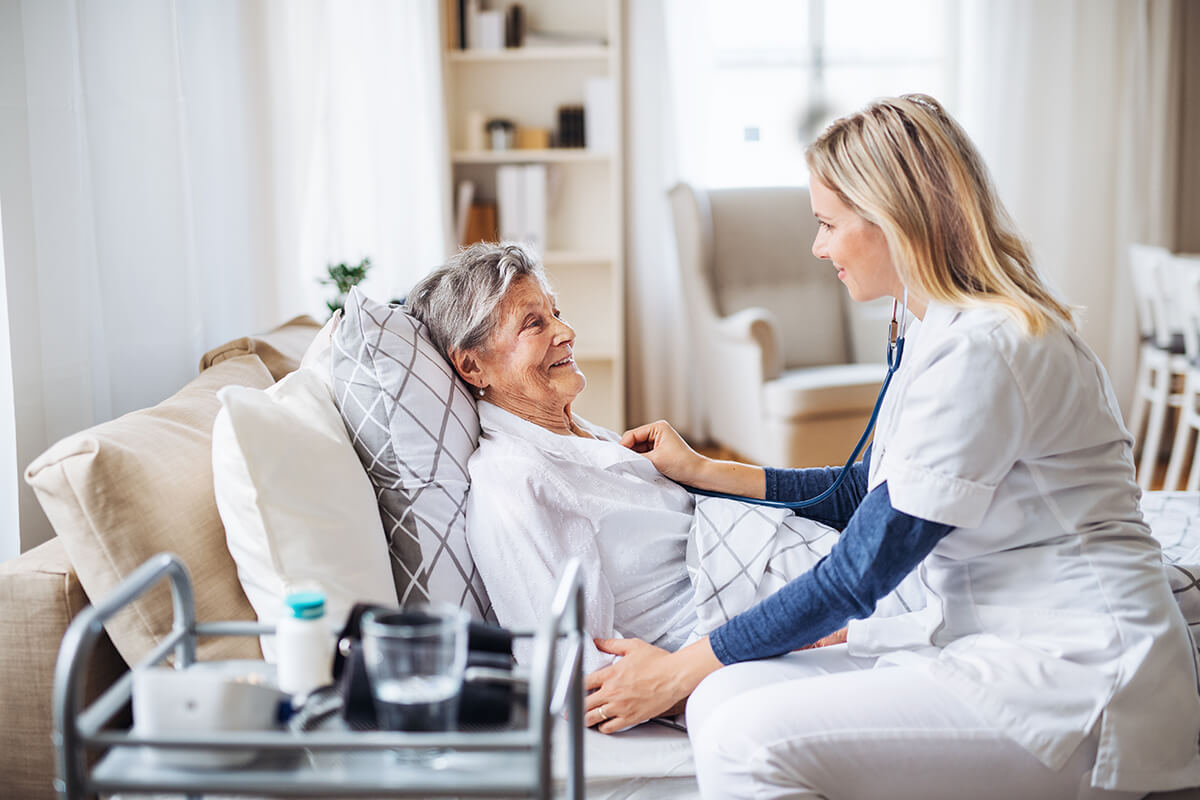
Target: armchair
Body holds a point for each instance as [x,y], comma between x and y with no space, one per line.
[772,327]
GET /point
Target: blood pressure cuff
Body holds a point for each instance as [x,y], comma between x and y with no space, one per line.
[479,703]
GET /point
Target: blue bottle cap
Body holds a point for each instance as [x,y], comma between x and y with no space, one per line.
[306,605]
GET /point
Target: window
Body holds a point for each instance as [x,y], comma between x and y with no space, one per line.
[780,70]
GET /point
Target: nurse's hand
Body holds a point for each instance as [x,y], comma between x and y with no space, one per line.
[667,451]
[645,682]
[837,637]
[670,454]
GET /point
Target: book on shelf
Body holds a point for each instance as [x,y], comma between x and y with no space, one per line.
[598,118]
[480,28]
[571,130]
[534,177]
[521,200]
[553,39]
[481,224]
[466,193]
[489,31]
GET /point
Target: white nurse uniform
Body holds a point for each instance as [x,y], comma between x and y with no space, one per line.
[1048,618]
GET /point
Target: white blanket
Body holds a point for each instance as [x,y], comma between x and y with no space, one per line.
[538,499]
[740,553]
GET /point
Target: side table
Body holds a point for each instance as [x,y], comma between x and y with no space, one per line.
[332,761]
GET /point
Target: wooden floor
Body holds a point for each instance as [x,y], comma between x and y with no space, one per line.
[1159,477]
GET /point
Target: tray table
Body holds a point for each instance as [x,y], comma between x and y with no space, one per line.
[331,760]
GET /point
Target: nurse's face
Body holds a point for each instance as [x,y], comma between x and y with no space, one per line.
[856,248]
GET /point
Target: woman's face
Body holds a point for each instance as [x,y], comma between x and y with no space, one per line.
[856,248]
[527,367]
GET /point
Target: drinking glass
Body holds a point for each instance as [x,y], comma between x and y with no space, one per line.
[415,659]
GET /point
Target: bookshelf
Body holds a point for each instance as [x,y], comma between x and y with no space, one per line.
[570,44]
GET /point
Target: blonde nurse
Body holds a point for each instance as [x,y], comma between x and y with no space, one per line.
[1049,659]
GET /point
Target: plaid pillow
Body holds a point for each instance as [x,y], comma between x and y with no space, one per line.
[414,425]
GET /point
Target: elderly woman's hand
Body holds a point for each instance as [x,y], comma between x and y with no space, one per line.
[645,682]
[666,449]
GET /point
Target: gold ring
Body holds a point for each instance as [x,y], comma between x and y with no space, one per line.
[603,716]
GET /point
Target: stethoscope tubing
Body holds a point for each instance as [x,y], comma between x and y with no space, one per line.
[895,352]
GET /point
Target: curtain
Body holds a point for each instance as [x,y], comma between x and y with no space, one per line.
[176,174]
[1074,107]
[666,104]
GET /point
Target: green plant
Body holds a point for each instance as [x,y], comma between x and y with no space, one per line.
[344,277]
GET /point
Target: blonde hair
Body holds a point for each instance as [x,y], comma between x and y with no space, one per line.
[903,164]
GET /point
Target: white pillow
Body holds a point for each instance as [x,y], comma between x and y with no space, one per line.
[298,509]
[317,356]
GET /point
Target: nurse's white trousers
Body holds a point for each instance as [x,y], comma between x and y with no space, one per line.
[821,723]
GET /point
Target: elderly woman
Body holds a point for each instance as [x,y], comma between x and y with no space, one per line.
[546,485]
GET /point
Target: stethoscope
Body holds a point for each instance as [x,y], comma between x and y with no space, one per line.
[895,351]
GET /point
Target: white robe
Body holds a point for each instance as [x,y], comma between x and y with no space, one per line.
[538,498]
[1047,608]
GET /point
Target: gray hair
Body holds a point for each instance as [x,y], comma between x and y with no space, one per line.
[458,302]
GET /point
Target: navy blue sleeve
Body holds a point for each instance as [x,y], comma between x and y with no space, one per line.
[835,511]
[876,551]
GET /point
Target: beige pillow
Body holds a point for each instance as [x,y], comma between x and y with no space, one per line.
[280,349]
[122,491]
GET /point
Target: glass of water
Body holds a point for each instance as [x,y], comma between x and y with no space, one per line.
[415,659]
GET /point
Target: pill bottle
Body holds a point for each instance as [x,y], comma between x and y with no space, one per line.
[304,644]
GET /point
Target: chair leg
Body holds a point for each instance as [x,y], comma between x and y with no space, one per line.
[1141,401]
[1183,433]
[1154,428]
[1193,481]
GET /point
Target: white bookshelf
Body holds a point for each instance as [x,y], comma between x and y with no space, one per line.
[584,235]
[559,155]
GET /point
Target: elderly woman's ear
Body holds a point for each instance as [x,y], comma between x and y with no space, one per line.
[469,368]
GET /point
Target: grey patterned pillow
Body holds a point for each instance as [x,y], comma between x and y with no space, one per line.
[414,425]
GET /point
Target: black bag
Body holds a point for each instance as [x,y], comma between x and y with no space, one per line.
[479,704]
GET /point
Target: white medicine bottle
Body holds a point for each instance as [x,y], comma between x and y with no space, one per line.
[304,644]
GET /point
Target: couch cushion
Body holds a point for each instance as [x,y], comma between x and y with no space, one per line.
[40,596]
[414,425]
[299,511]
[122,491]
[280,349]
[823,391]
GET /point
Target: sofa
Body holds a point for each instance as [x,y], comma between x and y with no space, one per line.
[116,494]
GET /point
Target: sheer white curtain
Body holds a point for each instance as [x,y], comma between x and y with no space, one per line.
[175,174]
[1074,108]
[663,147]
[357,142]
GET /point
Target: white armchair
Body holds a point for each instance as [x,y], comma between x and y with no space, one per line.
[773,328]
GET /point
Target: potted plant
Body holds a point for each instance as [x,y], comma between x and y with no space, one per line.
[344,277]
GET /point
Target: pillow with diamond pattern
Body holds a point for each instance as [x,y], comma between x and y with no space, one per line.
[414,425]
